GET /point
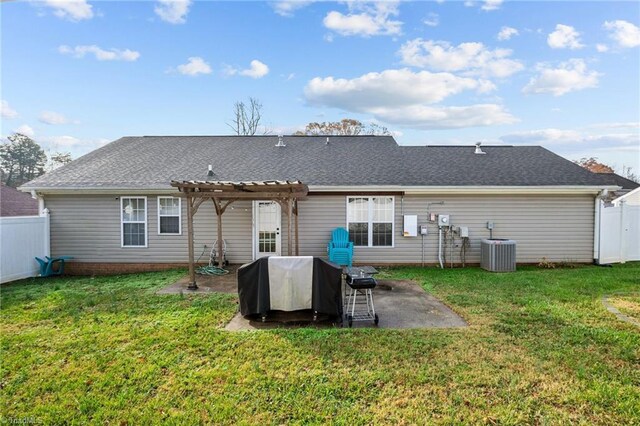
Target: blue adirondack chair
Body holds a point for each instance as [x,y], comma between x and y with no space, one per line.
[46,266]
[340,249]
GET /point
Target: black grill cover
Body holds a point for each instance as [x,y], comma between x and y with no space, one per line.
[253,287]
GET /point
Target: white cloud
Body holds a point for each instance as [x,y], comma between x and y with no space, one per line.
[474,58]
[99,53]
[573,139]
[365,19]
[195,65]
[51,117]
[490,5]
[287,8]
[256,69]
[611,147]
[25,130]
[62,141]
[564,37]
[570,76]
[6,111]
[404,97]
[389,88]
[72,10]
[617,125]
[624,33]
[450,117]
[602,47]
[173,11]
[543,136]
[432,20]
[506,33]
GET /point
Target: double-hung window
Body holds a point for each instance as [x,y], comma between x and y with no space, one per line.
[169,217]
[133,217]
[370,221]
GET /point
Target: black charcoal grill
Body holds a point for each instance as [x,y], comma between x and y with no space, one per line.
[361,282]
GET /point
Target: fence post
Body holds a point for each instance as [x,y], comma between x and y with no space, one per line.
[47,232]
[623,236]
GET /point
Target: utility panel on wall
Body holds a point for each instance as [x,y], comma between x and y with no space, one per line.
[410,225]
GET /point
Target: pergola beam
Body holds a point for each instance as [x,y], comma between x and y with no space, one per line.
[223,193]
[248,195]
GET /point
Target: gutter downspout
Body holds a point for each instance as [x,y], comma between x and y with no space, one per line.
[36,196]
[44,213]
[440,247]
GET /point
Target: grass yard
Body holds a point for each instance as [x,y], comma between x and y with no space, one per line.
[541,349]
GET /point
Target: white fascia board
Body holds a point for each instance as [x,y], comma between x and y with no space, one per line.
[99,191]
[419,190]
[408,190]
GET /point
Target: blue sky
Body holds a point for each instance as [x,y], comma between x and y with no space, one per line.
[565,75]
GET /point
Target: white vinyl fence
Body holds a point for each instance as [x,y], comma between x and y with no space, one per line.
[22,238]
[619,232]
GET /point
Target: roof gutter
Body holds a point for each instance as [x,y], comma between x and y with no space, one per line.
[408,190]
[100,190]
[429,190]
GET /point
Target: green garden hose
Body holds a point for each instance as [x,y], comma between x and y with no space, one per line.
[211,270]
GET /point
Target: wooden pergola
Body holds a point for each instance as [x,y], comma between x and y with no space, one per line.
[223,193]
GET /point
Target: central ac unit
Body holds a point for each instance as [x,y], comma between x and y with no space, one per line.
[498,255]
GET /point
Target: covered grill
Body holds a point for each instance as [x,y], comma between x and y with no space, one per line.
[290,283]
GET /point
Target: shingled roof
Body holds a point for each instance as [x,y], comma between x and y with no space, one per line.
[151,162]
[16,203]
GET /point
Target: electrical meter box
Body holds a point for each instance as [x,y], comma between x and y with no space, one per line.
[410,225]
[443,220]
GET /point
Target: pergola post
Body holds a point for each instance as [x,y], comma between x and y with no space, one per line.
[192,271]
[289,228]
[219,212]
[296,224]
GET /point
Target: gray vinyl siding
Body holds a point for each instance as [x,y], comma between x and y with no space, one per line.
[88,228]
[556,227]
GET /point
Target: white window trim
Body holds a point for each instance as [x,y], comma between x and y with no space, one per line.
[370,219]
[179,216]
[122,222]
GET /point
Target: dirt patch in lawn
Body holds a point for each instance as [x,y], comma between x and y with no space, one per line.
[625,307]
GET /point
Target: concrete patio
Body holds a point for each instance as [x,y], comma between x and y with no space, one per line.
[399,305]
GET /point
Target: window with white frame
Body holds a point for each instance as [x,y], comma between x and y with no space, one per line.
[133,215]
[169,217]
[370,221]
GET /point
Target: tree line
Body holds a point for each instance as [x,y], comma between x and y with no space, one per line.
[22,159]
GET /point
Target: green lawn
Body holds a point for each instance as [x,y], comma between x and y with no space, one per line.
[540,349]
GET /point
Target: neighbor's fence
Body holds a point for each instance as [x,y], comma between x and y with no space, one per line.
[619,234]
[22,238]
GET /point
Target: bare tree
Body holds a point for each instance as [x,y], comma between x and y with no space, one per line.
[627,171]
[58,159]
[246,117]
